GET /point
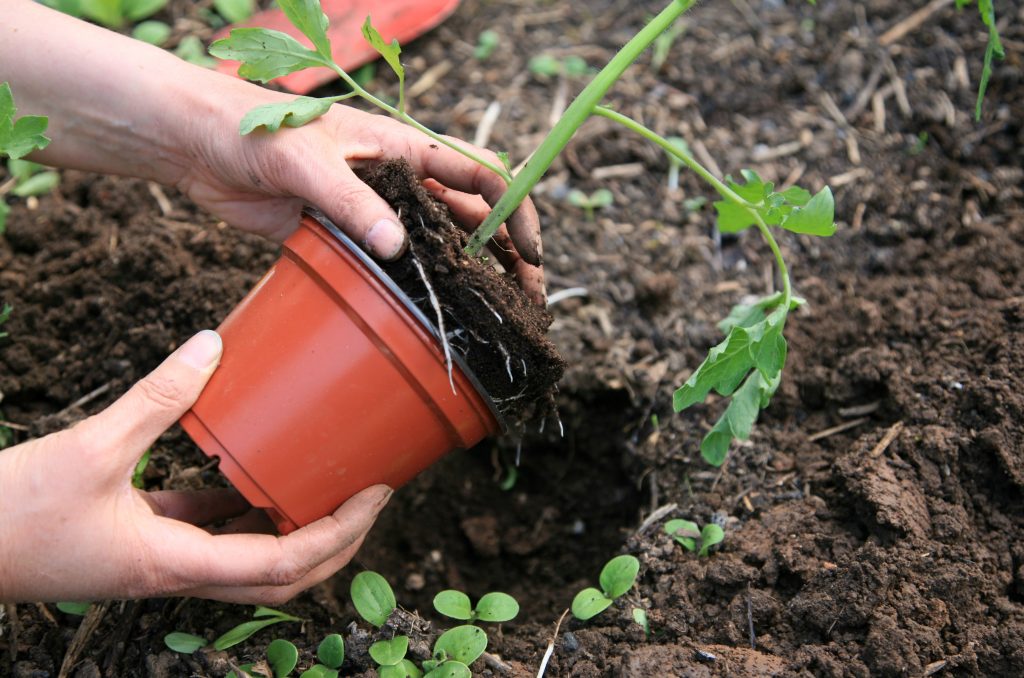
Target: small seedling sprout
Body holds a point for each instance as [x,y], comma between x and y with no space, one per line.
[234,11]
[282,656]
[599,199]
[494,607]
[111,13]
[993,49]
[185,643]
[373,598]
[640,617]
[331,651]
[152,32]
[390,657]
[454,651]
[686,534]
[486,44]
[617,577]
[262,618]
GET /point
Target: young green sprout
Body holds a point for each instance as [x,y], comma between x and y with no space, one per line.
[111,13]
[599,199]
[234,11]
[486,44]
[373,598]
[390,658]
[18,138]
[454,651]
[674,163]
[547,66]
[993,49]
[617,577]
[331,654]
[492,607]
[640,617]
[687,534]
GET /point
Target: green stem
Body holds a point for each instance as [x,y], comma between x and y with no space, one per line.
[412,122]
[716,183]
[580,109]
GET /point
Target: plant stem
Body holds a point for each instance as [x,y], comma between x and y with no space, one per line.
[716,183]
[580,109]
[412,122]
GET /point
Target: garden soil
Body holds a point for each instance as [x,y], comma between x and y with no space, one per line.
[874,522]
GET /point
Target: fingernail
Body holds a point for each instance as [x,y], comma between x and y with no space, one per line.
[384,496]
[202,351]
[385,239]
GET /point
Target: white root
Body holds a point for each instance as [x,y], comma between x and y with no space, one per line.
[508,361]
[551,647]
[440,316]
[562,295]
[487,305]
[523,361]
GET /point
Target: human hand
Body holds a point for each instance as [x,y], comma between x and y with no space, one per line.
[73,527]
[261,181]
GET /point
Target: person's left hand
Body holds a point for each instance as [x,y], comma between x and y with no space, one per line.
[261,181]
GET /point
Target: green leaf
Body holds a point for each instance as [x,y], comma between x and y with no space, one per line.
[77,609]
[684,532]
[589,603]
[246,630]
[282,656]
[723,369]
[19,137]
[331,651]
[37,184]
[390,52]
[106,12]
[602,197]
[578,198]
[618,575]
[191,49]
[450,669]
[994,49]
[319,671]
[817,217]
[454,604]
[137,10]
[185,643]
[463,644]
[294,113]
[262,611]
[265,54]
[23,169]
[497,607]
[69,7]
[247,669]
[545,65]
[153,32]
[795,196]
[235,11]
[732,218]
[390,652]
[738,418]
[711,534]
[373,598]
[4,211]
[574,66]
[486,44]
[640,617]
[140,469]
[309,18]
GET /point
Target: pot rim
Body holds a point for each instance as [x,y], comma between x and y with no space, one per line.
[393,287]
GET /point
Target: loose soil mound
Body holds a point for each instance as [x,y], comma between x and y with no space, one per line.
[874,522]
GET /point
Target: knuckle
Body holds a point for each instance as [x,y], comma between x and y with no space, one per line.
[164,392]
[287,572]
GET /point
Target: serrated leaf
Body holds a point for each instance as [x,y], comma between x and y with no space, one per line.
[390,652]
[817,217]
[711,534]
[795,195]
[373,598]
[19,137]
[309,18]
[463,644]
[732,218]
[618,575]
[37,184]
[497,607]
[684,532]
[265,54]
[331,651]
[723,369]
[738,419]
[454,604]
[185,643]
[235,11]
[137,10]
[282,656]
[391,52]
[589,603]
[294,113]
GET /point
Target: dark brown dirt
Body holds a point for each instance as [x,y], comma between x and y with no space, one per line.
[488,321]
[841,557]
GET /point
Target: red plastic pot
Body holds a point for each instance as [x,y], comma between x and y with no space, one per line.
[331,381]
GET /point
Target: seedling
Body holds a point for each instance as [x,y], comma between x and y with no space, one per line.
[486,44]
[140,470]
[617,577]
[640,617]
[262,618]
[185,643]
[234,11]
[390,656]
[76,609]
[191,50]
[115,13]
[492,607]
[548,66]
[674,163]
[454,651]
[994,48]
[687,534]
[373,598]
[153,32]
[599,199]
[747,366]
[282,656]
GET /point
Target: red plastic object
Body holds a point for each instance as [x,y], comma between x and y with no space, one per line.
[402,19]
[330,381]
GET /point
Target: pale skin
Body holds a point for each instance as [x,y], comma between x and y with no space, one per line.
[71,525]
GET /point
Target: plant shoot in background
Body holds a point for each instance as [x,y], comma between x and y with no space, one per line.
[599,199]
[687,535]
[993,49]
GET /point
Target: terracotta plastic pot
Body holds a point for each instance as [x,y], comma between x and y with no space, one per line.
[331,381]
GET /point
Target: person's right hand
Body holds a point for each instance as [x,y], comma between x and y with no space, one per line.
[73,527]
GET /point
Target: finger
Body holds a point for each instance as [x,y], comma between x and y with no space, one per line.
[278,595]
[122,431]
[451,168]
[469,211]
[362,214]
[200,507]
[233,560]
[255,521]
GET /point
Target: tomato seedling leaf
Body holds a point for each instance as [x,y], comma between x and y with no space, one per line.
[37,184]
[152,32]
[137,10]
[817,217]
[391,52]
[265,54]
[294,113]
[309,18]
[19,137]
[235,11]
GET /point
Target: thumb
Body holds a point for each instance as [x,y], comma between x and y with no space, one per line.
[357,210]
[150,407]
